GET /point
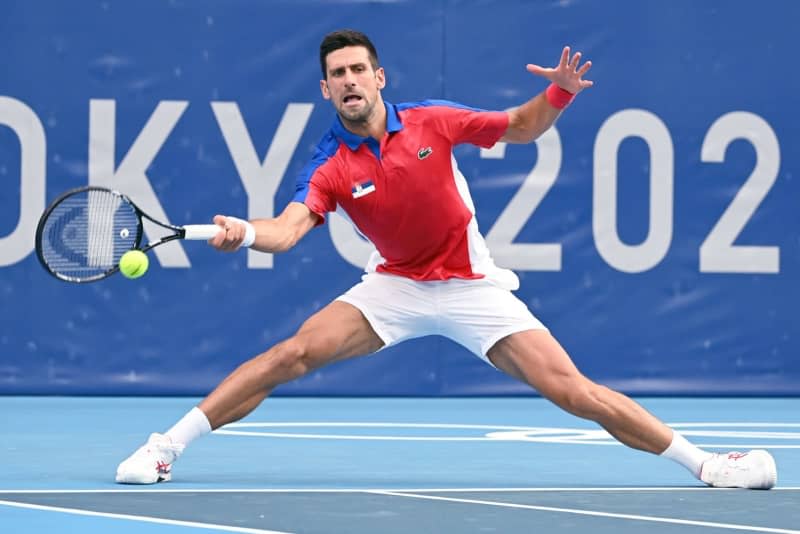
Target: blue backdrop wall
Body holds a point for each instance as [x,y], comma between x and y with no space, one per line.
[656,228]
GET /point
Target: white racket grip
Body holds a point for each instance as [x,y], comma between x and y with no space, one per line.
[200,231]
[207,231]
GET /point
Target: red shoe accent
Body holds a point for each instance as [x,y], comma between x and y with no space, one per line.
[162,467]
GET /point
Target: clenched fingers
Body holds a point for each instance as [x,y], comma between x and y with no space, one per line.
[230,236]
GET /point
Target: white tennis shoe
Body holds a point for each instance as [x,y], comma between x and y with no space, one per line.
[151,463]
[753,470]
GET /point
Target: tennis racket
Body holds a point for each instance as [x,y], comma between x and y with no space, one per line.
[83,234]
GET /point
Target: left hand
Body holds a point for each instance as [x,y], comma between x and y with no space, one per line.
[566,75]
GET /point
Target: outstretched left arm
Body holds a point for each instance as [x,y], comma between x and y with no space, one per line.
[534,117]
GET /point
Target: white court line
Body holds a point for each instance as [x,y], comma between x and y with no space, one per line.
[226,430]
[506,433]
[576,511]
[346,436]
[362,424]
[373,490]
[142,518]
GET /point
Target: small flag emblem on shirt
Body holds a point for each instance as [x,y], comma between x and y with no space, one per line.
[424,152]
[363,188]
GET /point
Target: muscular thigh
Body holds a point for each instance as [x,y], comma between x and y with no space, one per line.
[336,332]
[536,357]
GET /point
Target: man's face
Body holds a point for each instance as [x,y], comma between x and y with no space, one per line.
[352,85]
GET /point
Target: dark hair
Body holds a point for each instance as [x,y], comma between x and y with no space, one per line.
[340,39]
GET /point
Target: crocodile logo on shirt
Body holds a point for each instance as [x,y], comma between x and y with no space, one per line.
[424,152]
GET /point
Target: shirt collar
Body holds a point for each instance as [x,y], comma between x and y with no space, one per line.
[353,141]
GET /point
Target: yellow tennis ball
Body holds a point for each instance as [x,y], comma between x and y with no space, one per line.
[133,264]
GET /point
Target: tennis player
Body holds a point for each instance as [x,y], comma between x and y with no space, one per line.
[390,168]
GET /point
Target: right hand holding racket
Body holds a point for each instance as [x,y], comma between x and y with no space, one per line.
[233,234]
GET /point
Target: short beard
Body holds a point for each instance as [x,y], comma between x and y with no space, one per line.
[360,117]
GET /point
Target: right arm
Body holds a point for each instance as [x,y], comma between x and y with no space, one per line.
[272,235]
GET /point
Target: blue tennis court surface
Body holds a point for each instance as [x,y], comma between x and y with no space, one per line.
[368,465]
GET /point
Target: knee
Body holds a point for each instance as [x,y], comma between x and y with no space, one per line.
[586,400]
[288,359]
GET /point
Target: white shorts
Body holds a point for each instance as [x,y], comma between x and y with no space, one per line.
[474,313]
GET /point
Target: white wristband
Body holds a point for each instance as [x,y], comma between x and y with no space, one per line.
[249,232]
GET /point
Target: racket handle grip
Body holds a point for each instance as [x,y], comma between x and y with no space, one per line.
[200,231]
[207,231]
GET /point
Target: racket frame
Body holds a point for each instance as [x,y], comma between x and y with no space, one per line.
[180,232]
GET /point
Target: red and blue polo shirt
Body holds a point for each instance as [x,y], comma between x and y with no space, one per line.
[405,193]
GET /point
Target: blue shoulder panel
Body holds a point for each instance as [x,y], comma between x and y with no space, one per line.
[427,103]
[325,150]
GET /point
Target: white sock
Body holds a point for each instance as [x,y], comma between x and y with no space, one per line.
[193,425]
[686,454]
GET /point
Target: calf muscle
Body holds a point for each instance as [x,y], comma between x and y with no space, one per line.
[535,357]
[336,332]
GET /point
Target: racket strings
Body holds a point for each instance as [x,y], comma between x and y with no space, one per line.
[86,234]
